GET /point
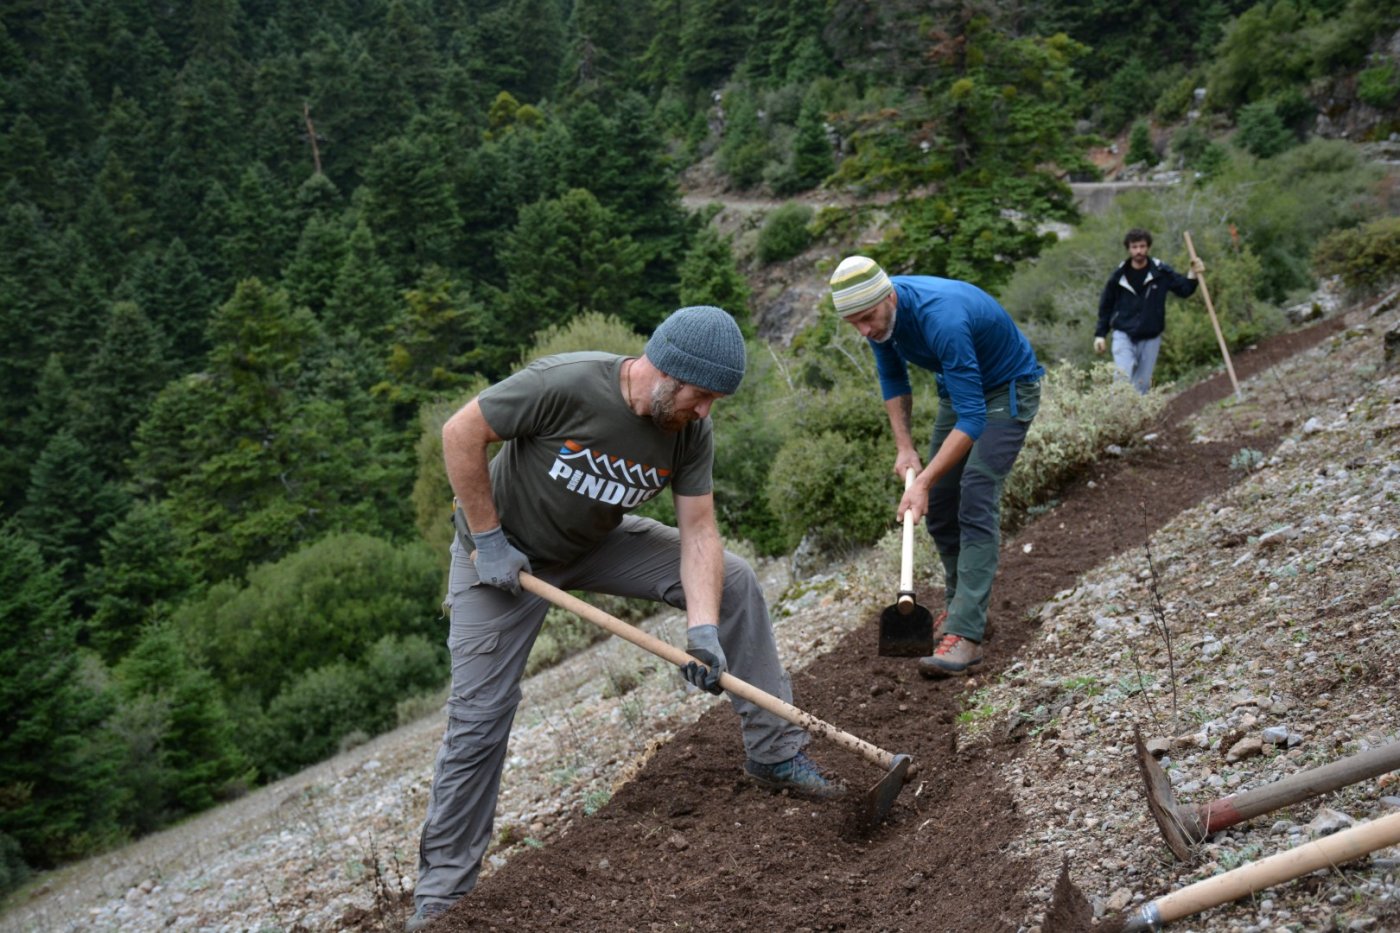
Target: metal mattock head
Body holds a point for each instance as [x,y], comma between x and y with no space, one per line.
[880,798]
[1160,800]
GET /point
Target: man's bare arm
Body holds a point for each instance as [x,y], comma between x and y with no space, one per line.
[702,558]
[466,437]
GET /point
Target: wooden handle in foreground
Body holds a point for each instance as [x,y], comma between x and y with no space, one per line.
[1310,856]
[729,682]
[906,560]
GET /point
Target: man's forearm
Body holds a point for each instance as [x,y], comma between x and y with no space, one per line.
[702,559]
[950,453]
[702,577]
[901,412]
[465,440]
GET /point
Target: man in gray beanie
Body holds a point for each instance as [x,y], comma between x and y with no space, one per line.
[587,438]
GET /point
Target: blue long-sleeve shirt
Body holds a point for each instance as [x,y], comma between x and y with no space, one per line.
[963,336]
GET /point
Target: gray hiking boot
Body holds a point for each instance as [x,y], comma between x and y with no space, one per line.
[424,915]
[954,655]
[799,776]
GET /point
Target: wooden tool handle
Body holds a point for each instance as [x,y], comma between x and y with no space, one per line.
[906,560]
[1214,321]
[729,682]
[1310,856]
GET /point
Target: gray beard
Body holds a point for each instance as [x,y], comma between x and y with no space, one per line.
[663,407]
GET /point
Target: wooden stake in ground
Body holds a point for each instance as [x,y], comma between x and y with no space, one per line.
[1214,321]
[1285,866]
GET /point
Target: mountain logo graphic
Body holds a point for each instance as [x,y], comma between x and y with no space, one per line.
[605,478]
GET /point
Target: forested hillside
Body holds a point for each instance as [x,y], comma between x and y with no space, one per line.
[253,251]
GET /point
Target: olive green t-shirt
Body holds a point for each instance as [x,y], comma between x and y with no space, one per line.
[577,458]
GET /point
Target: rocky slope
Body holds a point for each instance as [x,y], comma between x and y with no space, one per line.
[1280,594]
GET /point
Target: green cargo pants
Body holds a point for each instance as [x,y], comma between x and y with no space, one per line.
[964,506]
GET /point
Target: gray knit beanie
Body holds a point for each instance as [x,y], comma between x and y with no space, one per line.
[702,346]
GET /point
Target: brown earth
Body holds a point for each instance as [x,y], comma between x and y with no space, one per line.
[687,844]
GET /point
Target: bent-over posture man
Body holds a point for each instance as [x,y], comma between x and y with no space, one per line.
[988,394]
[1134,305]
[588,437]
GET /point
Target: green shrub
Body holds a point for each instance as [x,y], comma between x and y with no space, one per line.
[307,720]
[1366,257]
[13,870]
[1140,149]
[1379,85]
[1190,345]
[1176,100]
[1189,143]
[334,598]
[400,666]
[785,233]
[749,430]
[563,634]
[1081,412]
[588,331]
[1261,130]
[826,488]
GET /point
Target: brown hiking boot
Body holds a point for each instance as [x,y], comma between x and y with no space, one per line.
[938,622]
[954,655]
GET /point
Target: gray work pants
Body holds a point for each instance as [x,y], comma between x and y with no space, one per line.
[1136,359]
[490,638]
[964,506]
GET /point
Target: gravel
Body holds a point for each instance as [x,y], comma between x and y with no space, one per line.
[1281,598]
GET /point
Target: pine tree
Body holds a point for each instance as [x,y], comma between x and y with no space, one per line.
[410,204]
[710,277]
[313,269]
[521,47]
[25,160]
[125,371]
[257,455]
[176,296]
[57,769]
[259,237]
[712,42]
[363,297]
[141,567]
[606,39]
[431,353]
[812,159]
[67,503]
[183,756]
[566,257]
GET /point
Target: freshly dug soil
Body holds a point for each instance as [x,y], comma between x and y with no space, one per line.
[688,844]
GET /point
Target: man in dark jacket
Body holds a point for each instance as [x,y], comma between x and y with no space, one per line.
[1134,304]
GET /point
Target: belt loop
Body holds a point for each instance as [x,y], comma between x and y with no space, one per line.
[1013,398]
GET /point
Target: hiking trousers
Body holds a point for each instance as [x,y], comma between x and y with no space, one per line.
[1136,359]
[490,638]
[964,506]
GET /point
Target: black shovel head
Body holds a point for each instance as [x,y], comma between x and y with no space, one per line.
[906,633]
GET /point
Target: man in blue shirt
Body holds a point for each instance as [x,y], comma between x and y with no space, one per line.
[989,392]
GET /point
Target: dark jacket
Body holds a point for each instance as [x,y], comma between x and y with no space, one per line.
[1144,316]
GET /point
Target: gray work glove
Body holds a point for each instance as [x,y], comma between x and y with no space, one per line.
[702,643]
[498,562]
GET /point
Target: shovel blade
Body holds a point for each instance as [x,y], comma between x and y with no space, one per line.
[880,798]
[906,635]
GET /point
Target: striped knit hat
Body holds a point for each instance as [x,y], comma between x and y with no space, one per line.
[857,284]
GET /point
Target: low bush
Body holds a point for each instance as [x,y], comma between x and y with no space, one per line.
[1262,131]
[1082,411]
[1379,85]
[1366,257]
[785,233]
